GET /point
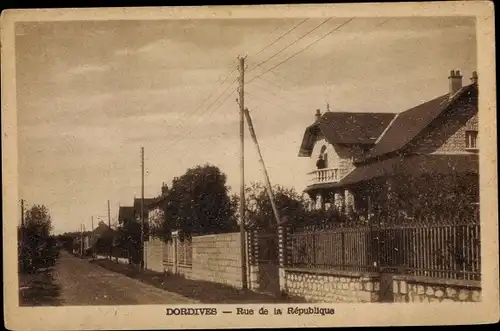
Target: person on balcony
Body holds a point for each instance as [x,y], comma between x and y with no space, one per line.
[320,164]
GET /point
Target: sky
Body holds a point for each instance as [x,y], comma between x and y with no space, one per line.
[91,93]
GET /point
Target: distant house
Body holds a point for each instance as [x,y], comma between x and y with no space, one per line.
[156,208]
[137,208]
[125,214]
[101,231]
[356,158]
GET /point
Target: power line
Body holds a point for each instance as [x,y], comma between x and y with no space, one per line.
[281,37]
[266,101]
[208,98]
[282,97]
[290,45]
[269,35]
[300,51]
[209,112]
[283,79]
[213,91]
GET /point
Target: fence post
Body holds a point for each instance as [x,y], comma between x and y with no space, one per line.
[288,246]
[175,240]
[281,257]
[342,247]
[253,245]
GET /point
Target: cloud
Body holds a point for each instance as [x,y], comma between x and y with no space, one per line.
[87,68]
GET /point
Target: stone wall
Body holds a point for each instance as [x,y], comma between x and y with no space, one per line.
[153,254]
[217,258]
[332,286]
[425,289]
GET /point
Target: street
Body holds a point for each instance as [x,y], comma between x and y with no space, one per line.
[80,282]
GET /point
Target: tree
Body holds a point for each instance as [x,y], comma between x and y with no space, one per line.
[36,245]
[292,208]
[198,202]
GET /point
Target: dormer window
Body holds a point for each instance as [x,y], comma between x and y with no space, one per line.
[471,139]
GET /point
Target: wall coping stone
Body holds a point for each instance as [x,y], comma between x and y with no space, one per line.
[215,235]
[184,265]
[439,281]
[334,272]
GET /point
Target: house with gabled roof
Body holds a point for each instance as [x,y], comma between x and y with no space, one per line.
[157,207]
[362,154]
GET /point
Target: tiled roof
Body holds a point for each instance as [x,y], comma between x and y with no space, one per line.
[137,204]
[408,124]
[125,213]
[157,201]
[354,128]
[414,165]
[346,128]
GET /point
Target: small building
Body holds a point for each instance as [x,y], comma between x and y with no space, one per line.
[156,209]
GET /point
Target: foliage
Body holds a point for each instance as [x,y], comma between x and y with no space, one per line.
[431,195]
[128,237]
[259,212]
[198,203]
[292,209]
[37,248]
[158,225]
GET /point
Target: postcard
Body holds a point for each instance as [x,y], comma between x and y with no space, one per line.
[250,166]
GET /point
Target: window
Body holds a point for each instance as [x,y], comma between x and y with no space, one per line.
[471,139]
[325,157]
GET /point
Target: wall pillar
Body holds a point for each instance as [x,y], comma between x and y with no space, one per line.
[282,257]
[175,246]
[253,249]
[338,201]
[349,201]
[319,202]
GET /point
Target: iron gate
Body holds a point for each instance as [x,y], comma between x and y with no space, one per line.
[268,263]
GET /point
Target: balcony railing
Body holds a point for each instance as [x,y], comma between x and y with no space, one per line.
[329,175]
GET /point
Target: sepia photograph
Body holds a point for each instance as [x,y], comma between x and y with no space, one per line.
[301,161]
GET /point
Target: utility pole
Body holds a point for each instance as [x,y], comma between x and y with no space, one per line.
[109,231]
[81,240]
[21,236]
[244,283]
[142,208]
[92,239]
[22,222]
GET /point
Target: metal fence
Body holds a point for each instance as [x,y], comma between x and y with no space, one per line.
[435,250]
[441,250]
[339,249]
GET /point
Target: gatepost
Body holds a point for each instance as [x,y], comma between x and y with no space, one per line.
[253,258]
[282,257]
[175,240]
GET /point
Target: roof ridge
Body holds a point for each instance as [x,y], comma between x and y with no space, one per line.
[444,105]
[387,128]
[359,113]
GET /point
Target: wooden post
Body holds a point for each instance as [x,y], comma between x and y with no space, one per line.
[263,166]
[244,282]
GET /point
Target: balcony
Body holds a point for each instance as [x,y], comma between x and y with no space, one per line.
[320,176]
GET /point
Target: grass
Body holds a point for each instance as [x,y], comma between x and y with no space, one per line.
[202,291]
[39,288]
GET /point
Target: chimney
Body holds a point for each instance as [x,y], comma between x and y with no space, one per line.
[164,189]
[455,80]
[473,79]
[318,115]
